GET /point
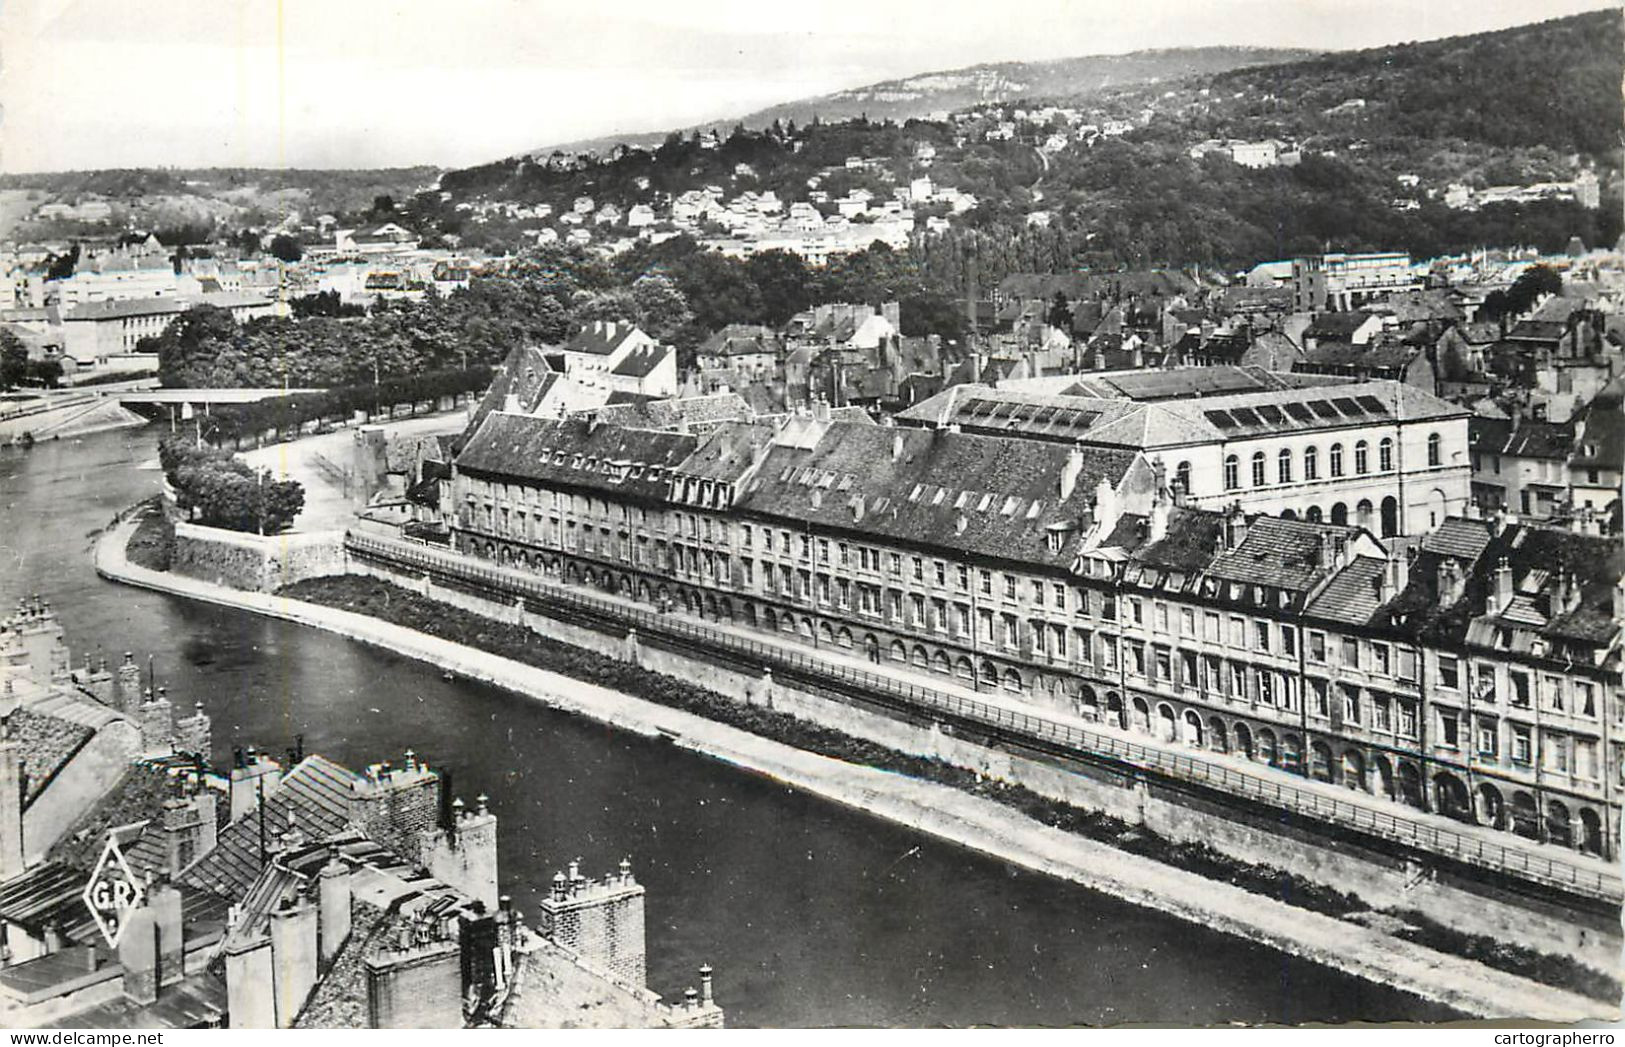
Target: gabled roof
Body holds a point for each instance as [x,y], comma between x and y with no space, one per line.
[315,796]
[1282,554]
[640,363]
[600,338]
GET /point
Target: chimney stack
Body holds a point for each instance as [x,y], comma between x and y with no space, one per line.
[1503,585]
[1235,527]
[11,809]
[1070,471]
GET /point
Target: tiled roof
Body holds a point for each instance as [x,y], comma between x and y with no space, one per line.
[629,461]
[47,742]
[987,495]
[1352,595]
[1463,539]
[1282,554]
[316,793]
[646,413]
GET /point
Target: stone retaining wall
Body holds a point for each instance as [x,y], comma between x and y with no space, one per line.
[1381,880]
[257,563]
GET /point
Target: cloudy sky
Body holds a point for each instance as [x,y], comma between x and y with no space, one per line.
[364,83]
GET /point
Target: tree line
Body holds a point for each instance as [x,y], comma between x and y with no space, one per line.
[288,414]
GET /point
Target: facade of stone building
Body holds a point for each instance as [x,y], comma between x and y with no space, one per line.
[1082,581]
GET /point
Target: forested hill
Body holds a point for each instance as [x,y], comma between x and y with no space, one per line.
[1554,84]
[947,90]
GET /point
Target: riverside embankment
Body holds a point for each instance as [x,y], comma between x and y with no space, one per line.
[949,814]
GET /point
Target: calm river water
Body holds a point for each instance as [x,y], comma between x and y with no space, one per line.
[811,914]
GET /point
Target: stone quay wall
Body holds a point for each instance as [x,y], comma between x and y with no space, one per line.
[1251,833]
[257,563]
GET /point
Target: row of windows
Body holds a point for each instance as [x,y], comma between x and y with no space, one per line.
[1553,693]
[1286,461]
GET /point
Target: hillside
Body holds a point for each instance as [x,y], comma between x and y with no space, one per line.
[943,91]
[1529,96]
[188,206]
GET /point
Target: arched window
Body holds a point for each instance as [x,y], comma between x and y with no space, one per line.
[1363,513]
[1283,467]
[1311,464]
[1232,473]
[1361,463]
[1182,477]
[1336,459]
[1258,468]
[1385,455]
[1434,448]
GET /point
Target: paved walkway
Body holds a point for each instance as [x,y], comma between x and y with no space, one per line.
[942,811]
[324,464]
[1338,804]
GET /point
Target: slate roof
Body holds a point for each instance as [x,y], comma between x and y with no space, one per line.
[727,452]
[640,363]
[599,338]
[1537,557]
[526,374]
[1188,543]
[1600,437]
[576,452]
[984,495]
[1340,326]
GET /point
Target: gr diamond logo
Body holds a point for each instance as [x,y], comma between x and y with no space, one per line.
[113,891]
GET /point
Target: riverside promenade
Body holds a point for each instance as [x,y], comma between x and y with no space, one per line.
[944,812]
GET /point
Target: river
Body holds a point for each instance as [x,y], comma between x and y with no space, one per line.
[812,914]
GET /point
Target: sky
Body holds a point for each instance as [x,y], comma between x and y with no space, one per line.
[374,83]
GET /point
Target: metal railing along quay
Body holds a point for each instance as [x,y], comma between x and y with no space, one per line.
[1024,728]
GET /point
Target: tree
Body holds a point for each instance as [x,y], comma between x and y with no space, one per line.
[383,205]
[62,266]
[661,308]
[286,248]
[1060,313]
[785,285]
[13,360]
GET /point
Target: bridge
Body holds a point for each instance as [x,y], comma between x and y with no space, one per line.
[138,398]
